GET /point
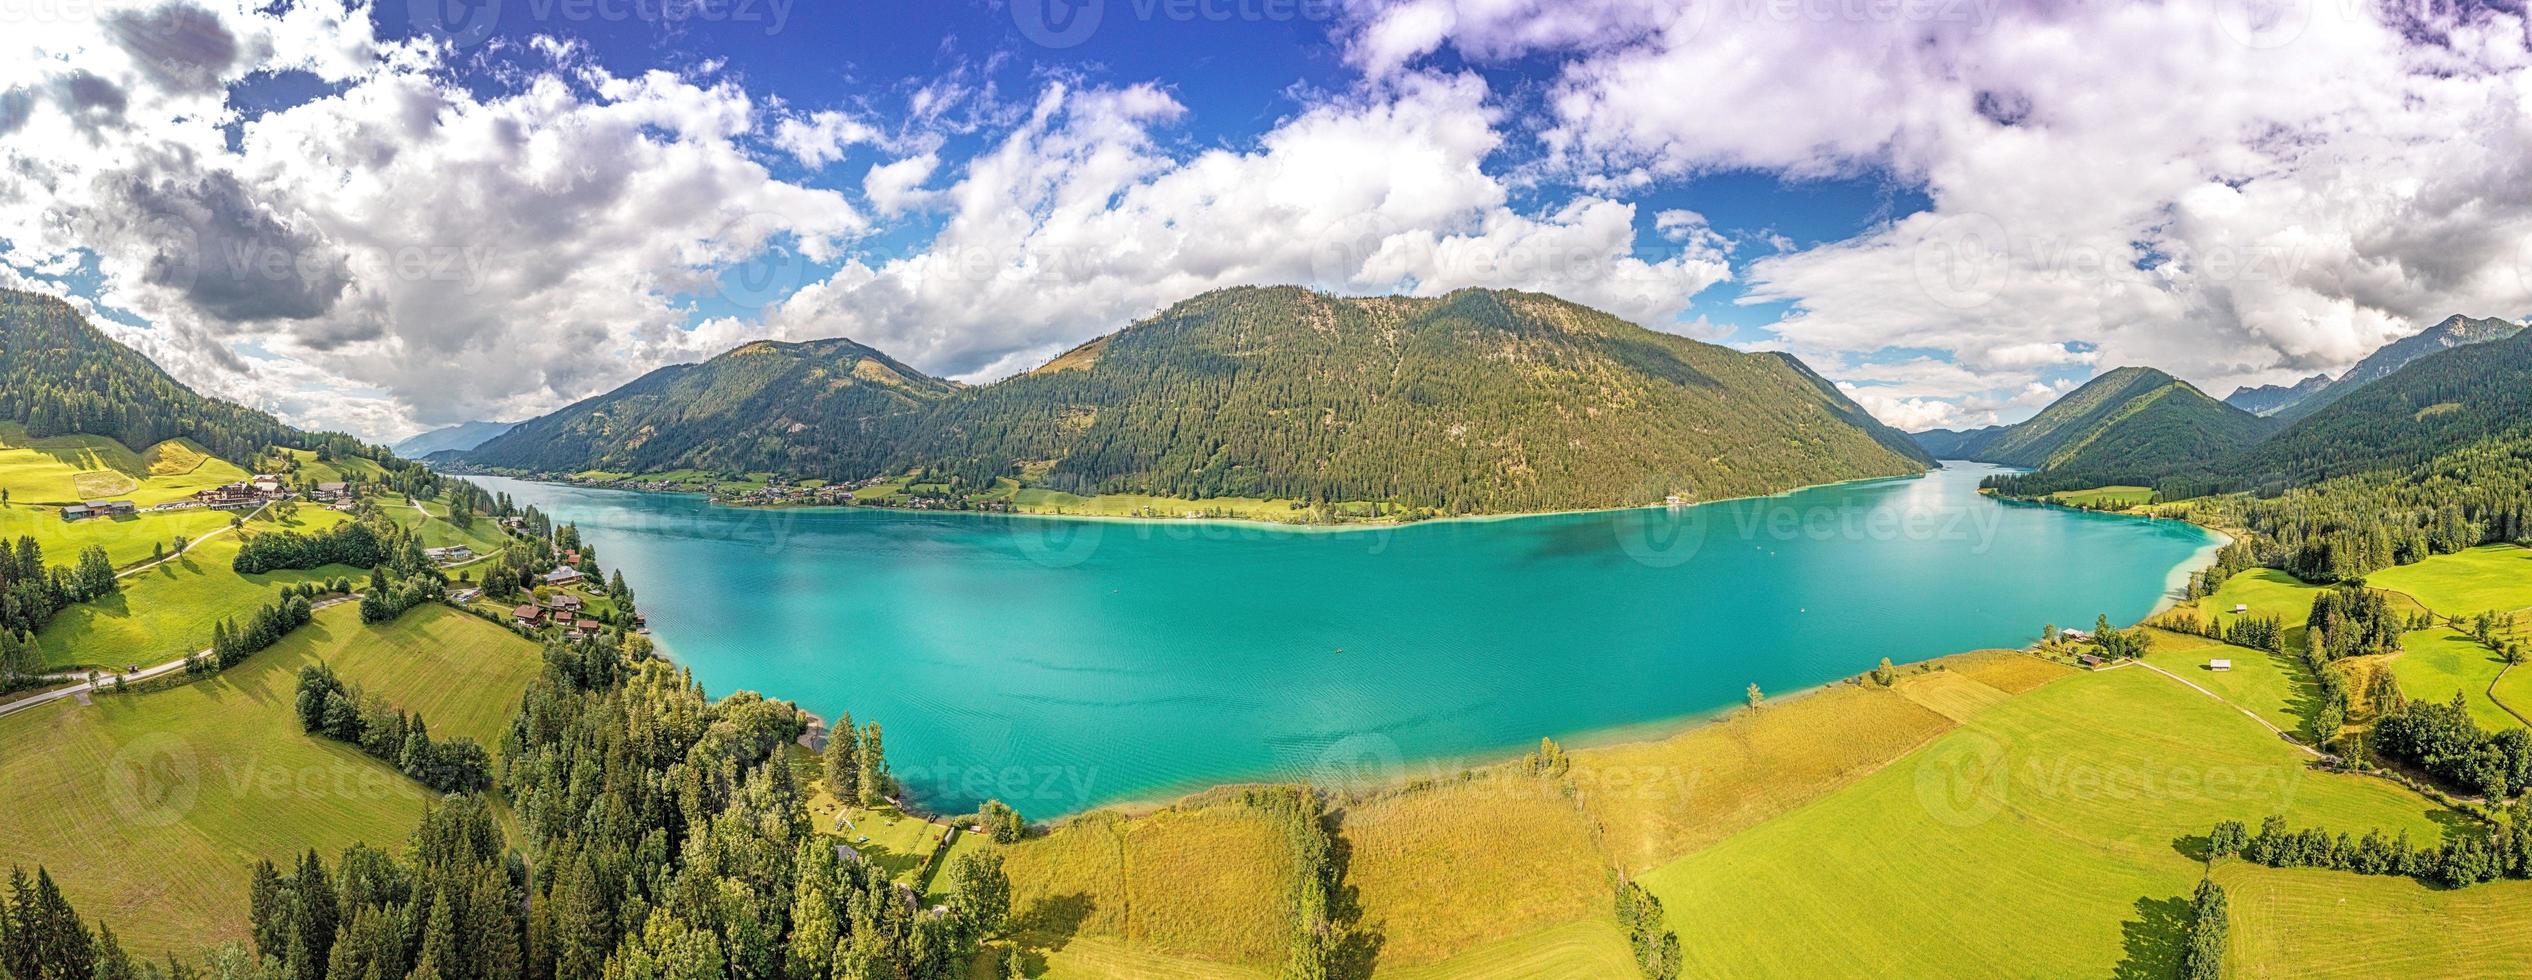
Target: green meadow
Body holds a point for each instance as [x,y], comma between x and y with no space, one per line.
[2489,578]
[127,540]
[71,469]
[2061,805]
[2276,686]
[2295,922]
[166,611]
[2108,498]
[2433,665]
[151,807]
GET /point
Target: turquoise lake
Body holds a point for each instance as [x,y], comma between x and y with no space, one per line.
[1060,664]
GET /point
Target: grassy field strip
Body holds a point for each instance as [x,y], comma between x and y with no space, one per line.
[2275,685]
[1658,800]
[1594,947]
[2059,808]
[2299,922]
[1951,695]
[150,808]
[2218,698]
[1206,879]
[1426,900]
[1103,959]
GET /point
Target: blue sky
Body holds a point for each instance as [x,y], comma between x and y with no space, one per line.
[395,216]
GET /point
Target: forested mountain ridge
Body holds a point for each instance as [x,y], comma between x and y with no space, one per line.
[60,375]
[1479,400]
[2125,419]
[2454,331]
[1476,401]
[2443,402]
[819,407]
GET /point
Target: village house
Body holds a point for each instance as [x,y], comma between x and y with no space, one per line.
[563,576]
[563,601]
[528,615]
[75,512]
[450,555]
[332,491]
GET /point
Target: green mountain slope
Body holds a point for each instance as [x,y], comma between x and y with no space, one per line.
[2074,419]
[60,375]
[2120,418]
[2162,430]
[822,407]
[2445,401]
[1480,400]
[2455,331]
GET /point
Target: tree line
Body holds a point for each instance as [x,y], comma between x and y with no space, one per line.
[2442,741]
[339,711]
[2460,860]
[32,592]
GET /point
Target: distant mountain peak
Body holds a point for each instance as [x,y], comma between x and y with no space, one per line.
[2271,399]
[2451,332]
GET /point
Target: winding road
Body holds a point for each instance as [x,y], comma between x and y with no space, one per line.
[105,680]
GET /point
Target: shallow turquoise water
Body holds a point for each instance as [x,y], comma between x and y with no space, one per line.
[1057,664]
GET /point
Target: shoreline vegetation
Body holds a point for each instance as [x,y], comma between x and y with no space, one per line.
[753,495]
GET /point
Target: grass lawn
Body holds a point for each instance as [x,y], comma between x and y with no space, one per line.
[2433,664]
[127,540]
[2489,578]
[1208,878]
[150,808]
[1426,892]
[2275,685]
[345,469]
[2036,840]
[167,611]
[2268,592]
[2297,922]
[2116,498]
[484,537]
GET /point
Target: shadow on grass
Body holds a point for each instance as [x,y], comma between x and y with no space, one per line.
[2153,941]
[2303,691]
[1358,946]
[2192,846]
[1051,922]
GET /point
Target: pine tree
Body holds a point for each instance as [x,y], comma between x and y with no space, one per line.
[874,779]
[843,761]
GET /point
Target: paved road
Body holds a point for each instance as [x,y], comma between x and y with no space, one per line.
[105,680]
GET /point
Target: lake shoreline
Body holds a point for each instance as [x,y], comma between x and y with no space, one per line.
[1366,525]
[1357,760]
